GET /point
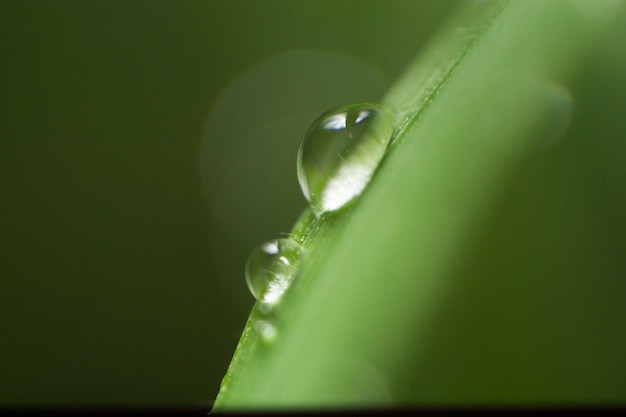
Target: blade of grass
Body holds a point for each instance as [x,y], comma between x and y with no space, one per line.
[351,328]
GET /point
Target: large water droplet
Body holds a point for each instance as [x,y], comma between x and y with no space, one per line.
[269,269]
[340,153]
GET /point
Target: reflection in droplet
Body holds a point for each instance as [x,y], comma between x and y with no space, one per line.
[340,153]
[269,269]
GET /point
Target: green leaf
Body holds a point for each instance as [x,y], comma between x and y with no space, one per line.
[356,325]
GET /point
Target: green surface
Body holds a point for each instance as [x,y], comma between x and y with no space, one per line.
[482,264]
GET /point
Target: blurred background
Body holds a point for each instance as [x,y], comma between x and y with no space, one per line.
[146,148]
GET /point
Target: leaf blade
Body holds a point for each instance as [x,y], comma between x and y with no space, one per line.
[429,196]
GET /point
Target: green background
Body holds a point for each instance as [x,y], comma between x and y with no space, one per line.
[121,282]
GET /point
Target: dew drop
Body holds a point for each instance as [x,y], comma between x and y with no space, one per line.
[340,152]
[266,330]
[269,270]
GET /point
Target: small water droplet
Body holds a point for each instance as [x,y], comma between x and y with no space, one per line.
[269,269]
[340,153]
[266,330]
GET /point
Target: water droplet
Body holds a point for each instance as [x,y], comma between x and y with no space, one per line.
[340,153]
[266,330]
[269,269]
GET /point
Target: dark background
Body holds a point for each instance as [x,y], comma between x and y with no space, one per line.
[121,282]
